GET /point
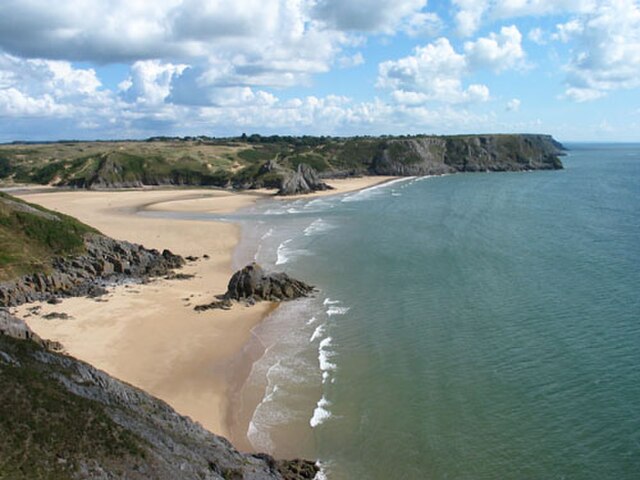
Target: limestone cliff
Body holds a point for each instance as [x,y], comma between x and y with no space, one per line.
[465,153]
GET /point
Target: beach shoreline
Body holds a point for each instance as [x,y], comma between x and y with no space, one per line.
[148,334]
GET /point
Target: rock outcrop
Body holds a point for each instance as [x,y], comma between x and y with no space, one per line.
[106,261]
[62,418]
[252,284]
[304,180]
[466,153]
[16,328]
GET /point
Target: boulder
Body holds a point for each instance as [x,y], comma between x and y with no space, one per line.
[252,282]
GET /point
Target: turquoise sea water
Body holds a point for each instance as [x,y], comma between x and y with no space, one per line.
[475,326]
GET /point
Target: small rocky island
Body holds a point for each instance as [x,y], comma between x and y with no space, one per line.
[253,284]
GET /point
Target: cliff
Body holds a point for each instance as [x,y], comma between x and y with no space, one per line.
[472,153]
[290,164]
[60,418]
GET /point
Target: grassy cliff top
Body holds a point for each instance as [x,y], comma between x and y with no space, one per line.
[30,236]
[236,162]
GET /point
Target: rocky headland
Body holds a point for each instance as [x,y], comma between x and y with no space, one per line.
[62,418]
[106,261]
[291,165]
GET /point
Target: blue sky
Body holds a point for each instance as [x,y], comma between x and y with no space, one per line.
[89,69]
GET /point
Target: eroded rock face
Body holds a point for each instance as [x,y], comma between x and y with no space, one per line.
[107,260]
[252,282]
[304,180]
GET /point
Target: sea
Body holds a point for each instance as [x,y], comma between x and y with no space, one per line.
[470,326]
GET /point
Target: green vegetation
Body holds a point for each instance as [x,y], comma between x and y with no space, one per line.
[47,432]
[238,162]
[31,235]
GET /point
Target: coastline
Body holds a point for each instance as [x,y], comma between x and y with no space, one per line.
[149,335]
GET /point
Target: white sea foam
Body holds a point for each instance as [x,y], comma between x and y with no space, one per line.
[322,473]
[328,301]
[374,190]
[267,235]
[282,253]
[337,310]
[317,333]
[324,356]
[317,226]
[321,413]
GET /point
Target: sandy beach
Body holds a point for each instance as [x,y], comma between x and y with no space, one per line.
[149,335]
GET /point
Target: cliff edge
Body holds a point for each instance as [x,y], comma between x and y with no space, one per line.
[62,418]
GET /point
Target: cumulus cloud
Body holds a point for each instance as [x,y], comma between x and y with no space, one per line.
[435,71]
[470,14]
[150,81]
[607,52]
[45,87]
[498,51]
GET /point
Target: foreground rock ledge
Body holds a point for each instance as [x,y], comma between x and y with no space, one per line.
[63,418]
[253,284]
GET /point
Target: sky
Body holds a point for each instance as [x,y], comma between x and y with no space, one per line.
[116,69]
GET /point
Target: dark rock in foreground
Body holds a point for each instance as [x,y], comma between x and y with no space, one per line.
[106,261]
[62,418]
[252,284]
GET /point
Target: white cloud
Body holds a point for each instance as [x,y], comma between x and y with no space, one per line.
[470,14]
[537,35]
[606,56]
[45,87]
[566,31]
[349,61]
[513,105]
[150,81]
[497,51]
[426,24]
[434,72]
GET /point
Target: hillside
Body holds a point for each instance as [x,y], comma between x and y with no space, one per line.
[45,254]
[30,236]
[255,161]
[60,418]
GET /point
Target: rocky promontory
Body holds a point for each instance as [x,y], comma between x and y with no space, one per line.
[292,165]
[62,418]
[46,254]
[253,284]
[106,261]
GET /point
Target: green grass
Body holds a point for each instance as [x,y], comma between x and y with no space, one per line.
[236,161]
[46,431]
[28,241]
